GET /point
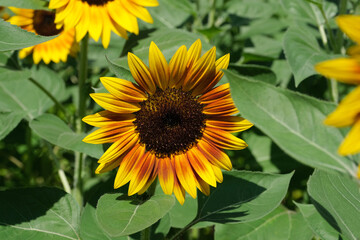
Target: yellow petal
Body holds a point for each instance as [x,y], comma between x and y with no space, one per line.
[194,53]
[185,174]
[351,144]
[123,89]
[159,68]
[201,166]
[138,11]
[109,134]
[215,156]
[146,3]
[112,103]
[166,175]
[347,111]
[229,123]
[141,73]
[343,69]
[350,25]
[224,140]
[177,66]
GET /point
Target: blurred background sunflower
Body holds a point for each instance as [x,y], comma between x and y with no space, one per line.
[41,22]
[100,17]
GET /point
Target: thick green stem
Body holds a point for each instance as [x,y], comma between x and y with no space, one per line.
[79,157]
[56,102]
[334,90]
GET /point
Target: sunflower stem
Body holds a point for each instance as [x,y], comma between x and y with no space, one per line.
[56,102]
[183,230]
[79,157]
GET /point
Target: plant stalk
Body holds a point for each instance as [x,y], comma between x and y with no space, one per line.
[79,157]
[146,233]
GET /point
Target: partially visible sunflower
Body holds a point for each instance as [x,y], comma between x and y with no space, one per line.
[100,17]
[346,70]
[172,123]
[42,23]
[4,15]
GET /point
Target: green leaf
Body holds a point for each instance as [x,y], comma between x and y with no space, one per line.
[14,38]
[119,71]
[182,215]
[293,121]
[302,52]
[318,224]
[121,215]
[54,130]
[164,16]
[250,9]
[255,72]
[29,4]
[243,197]
[98,55]
[18,94]
[38,213]
[278,225]
[90,228]
[8,121]
[337,199]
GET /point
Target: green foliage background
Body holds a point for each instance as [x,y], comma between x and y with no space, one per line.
[290,183]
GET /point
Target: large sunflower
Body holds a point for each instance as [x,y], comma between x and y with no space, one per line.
[42,23]
[100,17]
[172,123]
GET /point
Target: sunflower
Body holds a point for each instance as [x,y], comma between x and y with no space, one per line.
[42,23]
[173,123]
[100,17]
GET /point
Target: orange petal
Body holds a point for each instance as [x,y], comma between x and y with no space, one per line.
[222,106]
[141,173]
[109,133]
[223,139]
[201,166]
[141,73]
[229,123]
[125,171]
[221,63]
[202,185]
[113,104]
[216,93]
[120,147]
[105,167]
[185,174]
[159,68]
[123,89]
[151,178]
[218,174]
[215,156]
[179,192]
[166,175]
[105,118]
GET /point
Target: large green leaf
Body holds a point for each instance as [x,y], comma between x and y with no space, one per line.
[54,130]
[337,199]
[318,224]
[302,52]
[242,197]
[29,4]
[293,121]
[121,215]
[278,225]
[38,213]
[164,16]
[18,94]
[13,37]
[251,9]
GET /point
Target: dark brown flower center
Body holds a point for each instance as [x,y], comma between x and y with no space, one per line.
[97,2]
[43,22]
[170,122]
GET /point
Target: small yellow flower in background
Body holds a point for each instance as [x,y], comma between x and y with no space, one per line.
[42,23]
[100,17]
[172,124]
[346,70]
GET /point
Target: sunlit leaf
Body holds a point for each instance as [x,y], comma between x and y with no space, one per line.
[293,121]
